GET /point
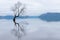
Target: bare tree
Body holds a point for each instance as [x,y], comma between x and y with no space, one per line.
[18,10]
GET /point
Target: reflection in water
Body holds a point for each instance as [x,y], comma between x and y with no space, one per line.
[19,31]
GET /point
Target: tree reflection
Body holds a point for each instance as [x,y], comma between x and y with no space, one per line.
[19,31]
[18,10]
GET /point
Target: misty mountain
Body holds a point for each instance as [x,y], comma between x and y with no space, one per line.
[45,17]
[50,17]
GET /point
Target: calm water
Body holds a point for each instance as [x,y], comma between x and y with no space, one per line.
[35,30]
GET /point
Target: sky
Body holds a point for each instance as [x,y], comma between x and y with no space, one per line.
[33,7]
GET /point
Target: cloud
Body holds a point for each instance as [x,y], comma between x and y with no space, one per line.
[51,5]
[35,7]
[32,6]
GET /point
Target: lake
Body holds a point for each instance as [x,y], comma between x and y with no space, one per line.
[36,29]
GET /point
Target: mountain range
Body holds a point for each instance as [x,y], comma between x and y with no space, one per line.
[46,17]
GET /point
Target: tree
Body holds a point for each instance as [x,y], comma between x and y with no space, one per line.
[18,10]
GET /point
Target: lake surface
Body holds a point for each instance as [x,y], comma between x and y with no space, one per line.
[36,29]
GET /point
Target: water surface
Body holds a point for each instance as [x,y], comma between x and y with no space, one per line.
[35,30]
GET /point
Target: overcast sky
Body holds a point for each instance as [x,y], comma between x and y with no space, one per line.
[35,7]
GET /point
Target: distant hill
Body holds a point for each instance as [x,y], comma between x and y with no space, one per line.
[8,17]
[50,17]
[44,17]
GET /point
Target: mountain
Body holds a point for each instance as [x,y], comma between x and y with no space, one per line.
[50,17]
[45,17]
